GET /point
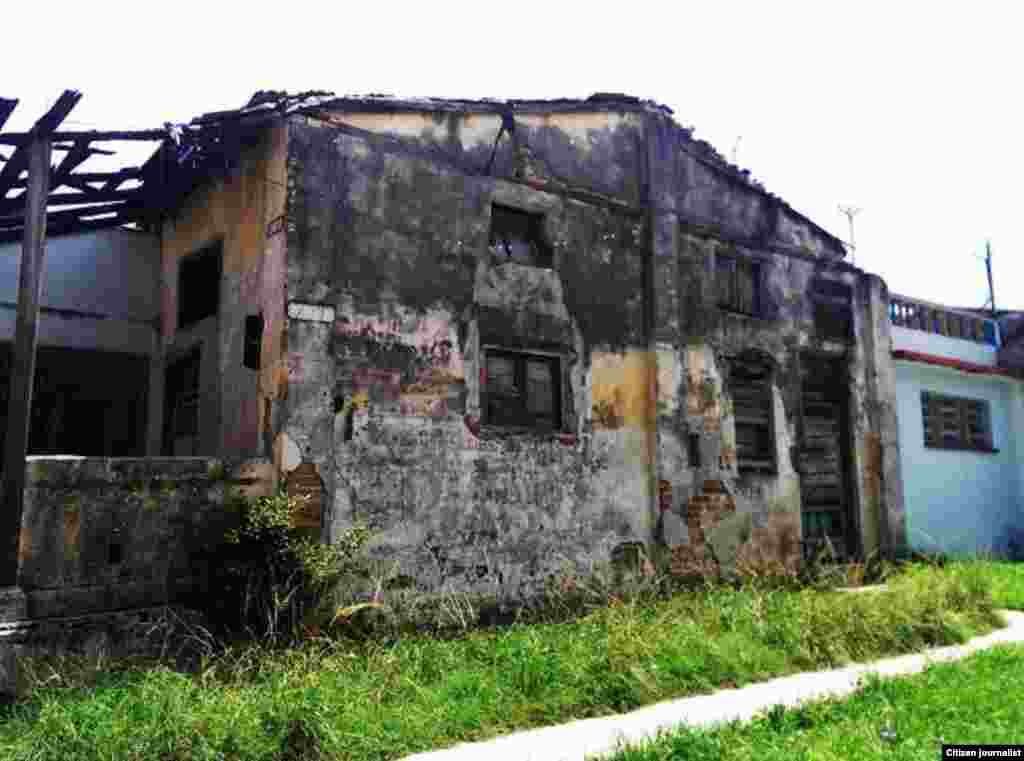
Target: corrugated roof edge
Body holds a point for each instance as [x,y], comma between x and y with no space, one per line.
[266,105]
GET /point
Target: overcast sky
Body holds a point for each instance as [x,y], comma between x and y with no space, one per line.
[909,111]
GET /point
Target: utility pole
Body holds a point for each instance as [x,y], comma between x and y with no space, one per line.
[851,212]
[988,270]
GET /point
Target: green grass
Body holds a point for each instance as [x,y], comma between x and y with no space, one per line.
[976,700]
[346,700]
[1006,579]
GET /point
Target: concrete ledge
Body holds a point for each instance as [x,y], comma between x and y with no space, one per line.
[590,738]
[13,604]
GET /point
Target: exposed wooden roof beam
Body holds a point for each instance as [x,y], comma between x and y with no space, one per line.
[46,125]
[9,206]
[71,227]
[15,220]
[78,154]
[92,151]
[81,178]
[7,106]
[18,138]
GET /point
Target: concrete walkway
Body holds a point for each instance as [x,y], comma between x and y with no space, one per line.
[591,738]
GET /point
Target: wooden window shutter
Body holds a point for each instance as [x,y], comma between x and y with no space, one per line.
[746,286]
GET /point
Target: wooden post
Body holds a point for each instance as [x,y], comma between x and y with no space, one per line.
[24,360]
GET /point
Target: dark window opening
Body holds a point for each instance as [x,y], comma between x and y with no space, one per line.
[751,390]
[518,236]
[694,450]
[522,390]
[181,422]
[954,423]
[115,553]
[253,341]
[833,312]
[736,281]
[199,285]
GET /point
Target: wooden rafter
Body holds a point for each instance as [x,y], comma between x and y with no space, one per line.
[76,201]
[90,136]
[7,107]
[18,161]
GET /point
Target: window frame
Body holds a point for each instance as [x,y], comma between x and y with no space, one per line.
[209,257]
[532,234]
[754,381]
[932,415]
[833,309]
[730,265]
[524,420]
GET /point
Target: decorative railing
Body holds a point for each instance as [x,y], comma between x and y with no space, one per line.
[943,321]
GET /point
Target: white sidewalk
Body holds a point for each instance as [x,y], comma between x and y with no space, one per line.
[589,738]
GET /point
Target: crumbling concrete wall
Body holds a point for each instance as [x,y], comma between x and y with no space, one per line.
[102,534]
[391,243]
[394,300]
[244,210]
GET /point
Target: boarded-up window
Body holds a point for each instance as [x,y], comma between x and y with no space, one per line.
[736,281]
[952,422]
[751,390]
[522,390]
[833,313]
[518,236]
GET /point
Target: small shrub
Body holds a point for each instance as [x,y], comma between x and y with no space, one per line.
[269,577]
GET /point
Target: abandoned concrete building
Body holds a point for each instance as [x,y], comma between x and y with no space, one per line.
[507,335]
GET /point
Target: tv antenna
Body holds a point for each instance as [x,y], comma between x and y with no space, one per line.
[851,212]
[991,303]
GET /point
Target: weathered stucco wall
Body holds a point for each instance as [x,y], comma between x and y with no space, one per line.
[244,210]
[394,300]
[102,534]
[394,245]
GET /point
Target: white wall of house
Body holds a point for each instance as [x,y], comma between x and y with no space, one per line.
[99,291]
[959,501]
[908,339]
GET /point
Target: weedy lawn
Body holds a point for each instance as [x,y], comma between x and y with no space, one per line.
[342,699]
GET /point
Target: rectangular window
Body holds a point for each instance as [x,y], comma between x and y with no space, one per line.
[253,341]
[181,416]
[752,411]
[518,236]
[199,285]
[833,310]
[522,390]
[952,422]
[736,280]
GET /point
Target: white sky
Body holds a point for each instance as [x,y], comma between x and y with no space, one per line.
[909,110]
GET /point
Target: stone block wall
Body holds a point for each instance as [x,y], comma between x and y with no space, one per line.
[105,534]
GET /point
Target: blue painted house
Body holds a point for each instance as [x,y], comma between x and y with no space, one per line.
[960,403]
